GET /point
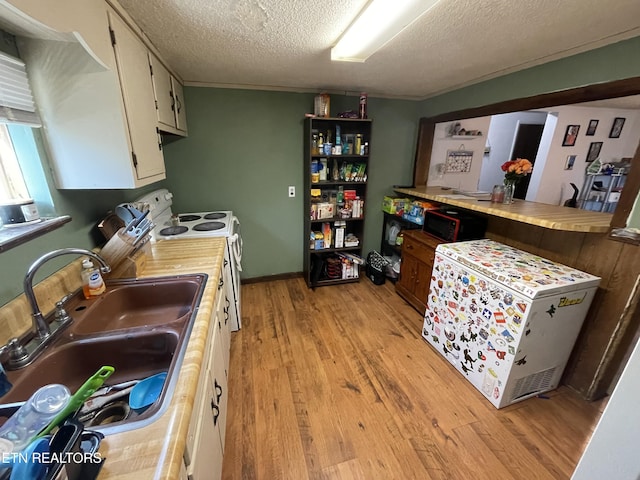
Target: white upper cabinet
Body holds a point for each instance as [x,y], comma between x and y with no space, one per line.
[139,101]
[172,115]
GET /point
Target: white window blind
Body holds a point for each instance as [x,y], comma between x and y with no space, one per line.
[16,100]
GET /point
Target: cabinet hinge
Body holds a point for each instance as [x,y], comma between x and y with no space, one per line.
[135,159]
[159,139]
[151,69]
[112,34]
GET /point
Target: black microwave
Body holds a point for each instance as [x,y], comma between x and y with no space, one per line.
[453,225]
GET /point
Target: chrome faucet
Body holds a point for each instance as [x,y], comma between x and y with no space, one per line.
[40,326]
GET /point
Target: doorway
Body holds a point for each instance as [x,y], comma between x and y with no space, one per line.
[525,145]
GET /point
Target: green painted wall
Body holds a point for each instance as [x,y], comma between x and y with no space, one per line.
[245,147]
[613,62]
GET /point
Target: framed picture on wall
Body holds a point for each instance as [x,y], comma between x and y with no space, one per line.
[591,129]
[570,135]
[571,159]
[616,128]
[594,151]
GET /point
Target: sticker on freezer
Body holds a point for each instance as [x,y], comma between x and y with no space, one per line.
[567,302]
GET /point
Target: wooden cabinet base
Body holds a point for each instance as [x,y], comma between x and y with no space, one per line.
[411,298]
[418,251]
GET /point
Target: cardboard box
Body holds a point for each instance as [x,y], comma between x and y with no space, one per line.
[325,210]
[350,194]
[339,241]
[415,211]
[395,205]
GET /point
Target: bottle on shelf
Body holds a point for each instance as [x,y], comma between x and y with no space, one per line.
[323,169]
[320,149]
[358,144]
[363,105]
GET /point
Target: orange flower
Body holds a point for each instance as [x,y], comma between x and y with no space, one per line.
[516,169]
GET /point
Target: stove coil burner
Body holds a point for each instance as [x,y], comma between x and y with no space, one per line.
[169,231]
[214,215]
[189,218]
[208,226]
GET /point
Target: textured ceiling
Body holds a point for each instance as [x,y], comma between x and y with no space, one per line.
[285,44]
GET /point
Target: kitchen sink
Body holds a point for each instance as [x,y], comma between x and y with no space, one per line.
[133,356]
[140,327]
[128,305]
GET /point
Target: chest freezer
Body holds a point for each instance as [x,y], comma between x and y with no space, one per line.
[506,319]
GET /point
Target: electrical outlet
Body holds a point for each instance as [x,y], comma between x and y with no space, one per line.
[292,191]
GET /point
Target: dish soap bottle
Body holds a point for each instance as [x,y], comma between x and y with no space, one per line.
[92,282]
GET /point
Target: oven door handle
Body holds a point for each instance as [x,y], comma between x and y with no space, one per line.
[235,242]
[235,245]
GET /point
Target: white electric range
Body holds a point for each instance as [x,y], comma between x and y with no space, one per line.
[170,226]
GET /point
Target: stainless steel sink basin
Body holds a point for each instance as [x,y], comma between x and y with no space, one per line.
[140,327]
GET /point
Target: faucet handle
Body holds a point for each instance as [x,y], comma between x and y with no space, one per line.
[17,352]
[61,314]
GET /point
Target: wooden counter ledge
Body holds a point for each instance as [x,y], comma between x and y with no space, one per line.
[553,217]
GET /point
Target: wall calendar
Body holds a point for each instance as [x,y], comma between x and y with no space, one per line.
[458,161]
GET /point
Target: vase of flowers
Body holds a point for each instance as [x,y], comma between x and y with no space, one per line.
[514,171]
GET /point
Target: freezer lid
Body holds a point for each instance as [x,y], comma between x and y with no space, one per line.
[524,272]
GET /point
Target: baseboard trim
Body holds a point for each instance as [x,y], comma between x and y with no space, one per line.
[271,278]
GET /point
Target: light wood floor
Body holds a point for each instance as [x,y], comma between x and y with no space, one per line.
[337,383]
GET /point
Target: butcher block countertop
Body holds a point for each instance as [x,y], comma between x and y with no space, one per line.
[155,451]
[553,217]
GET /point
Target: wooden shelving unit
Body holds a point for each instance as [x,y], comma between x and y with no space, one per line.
[316,260]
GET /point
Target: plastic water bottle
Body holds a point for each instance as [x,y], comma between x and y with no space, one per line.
[35,415]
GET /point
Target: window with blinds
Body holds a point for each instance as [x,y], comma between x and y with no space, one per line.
[17,106]
[16,100]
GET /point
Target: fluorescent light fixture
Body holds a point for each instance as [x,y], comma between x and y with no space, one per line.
[377,24]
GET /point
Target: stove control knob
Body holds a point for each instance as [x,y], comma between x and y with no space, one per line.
[168,196]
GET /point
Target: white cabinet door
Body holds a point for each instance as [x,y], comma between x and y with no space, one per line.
[139,102]
[200,399]
[164,92]
[222,312]
[219,381]
[169,100]
[206,463]
[180,108]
